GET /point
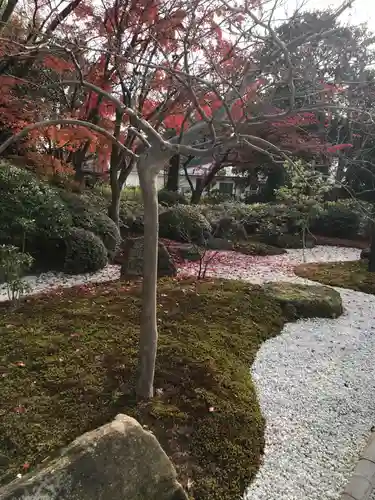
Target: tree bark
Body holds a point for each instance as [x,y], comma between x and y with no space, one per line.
[114,207]
[173,173]
[148,332]
[371,260]
[197,193]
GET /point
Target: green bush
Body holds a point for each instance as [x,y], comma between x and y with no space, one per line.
[87,217]
[184,223]
[84,252]
[171,198]
[216,197]
[338,221]
[131,217]
[30,210]
[229,228]
[13,266]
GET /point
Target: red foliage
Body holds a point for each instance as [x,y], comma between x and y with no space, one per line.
[57,64]
[338,147]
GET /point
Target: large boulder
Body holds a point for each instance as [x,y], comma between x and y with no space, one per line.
[119,461]
[219,244]
[306,301]
[130,258]
[184,251]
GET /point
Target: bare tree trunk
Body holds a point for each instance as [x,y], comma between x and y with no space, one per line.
[114,207]
[8,11]
[173,173]
[196,195]
[149,333]
[209,177]
[371,259]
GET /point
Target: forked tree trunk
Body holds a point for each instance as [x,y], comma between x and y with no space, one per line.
[148,332]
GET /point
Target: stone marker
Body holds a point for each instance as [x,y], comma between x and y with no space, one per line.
[131,259]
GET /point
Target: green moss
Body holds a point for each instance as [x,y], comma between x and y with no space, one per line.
[257,248]
[306,301]
[79,350]
[352,275]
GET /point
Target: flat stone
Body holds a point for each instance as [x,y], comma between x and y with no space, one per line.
[369,453]
[358,488]
[366,469]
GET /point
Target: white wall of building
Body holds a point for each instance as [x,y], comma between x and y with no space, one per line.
[236,190]
[133,180]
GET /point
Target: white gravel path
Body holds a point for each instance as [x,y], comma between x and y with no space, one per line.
[50,281]
[255,269]
[315,383]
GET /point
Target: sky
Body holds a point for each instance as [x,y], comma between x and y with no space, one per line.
[362,10]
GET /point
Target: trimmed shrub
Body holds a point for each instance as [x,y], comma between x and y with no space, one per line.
[87,217]
[216,197]
[227,227]
[85,252]
[31,212]
[131,218]
[171,198]
[184,223]
[337,220]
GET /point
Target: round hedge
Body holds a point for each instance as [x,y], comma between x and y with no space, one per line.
[85,252]
[27,202]
[184,223]
[337,221]
[88,217]
[31,212]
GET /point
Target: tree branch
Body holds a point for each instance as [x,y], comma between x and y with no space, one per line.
[60,121]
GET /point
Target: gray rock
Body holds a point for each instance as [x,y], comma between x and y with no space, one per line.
[219,244]
[185,251]
[119,461]
[131,259]
[365,254]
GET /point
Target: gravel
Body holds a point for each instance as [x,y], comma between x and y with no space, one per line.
[225,264]
[257,269]
[50,281]
[315,384]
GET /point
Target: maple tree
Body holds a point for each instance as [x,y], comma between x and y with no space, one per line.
[148,80]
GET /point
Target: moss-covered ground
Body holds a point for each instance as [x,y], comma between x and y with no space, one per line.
[352,275]
[67,364]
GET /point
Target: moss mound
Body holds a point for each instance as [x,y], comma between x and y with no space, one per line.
[306,300]
[352,275]
[68,360]
[257,248]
